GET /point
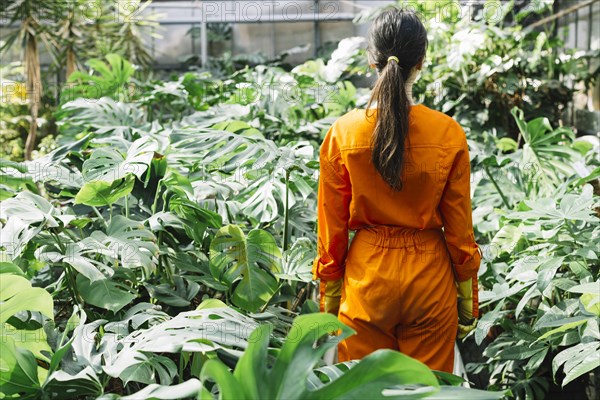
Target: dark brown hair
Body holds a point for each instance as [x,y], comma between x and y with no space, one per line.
[399,33]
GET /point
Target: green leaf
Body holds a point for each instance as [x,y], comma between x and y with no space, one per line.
[129,242]
[544,152]
[211,303]
[590,297]
[109,165]
[462,393]
[105,293]
[62,385]
[16,294]
[185,291]
[154,391]
[535,361]
[589,363]
[10,268]
[196,219]
[506,144]
[252,260]
[590,287]
[291,376]
[75,320]
[18,370]
[80,255]
[251,370]
[148,369]
[577,360]
[31,209]
[217,372]
[563,328]
[298,261]
[375,373]
[488,320]
[448,379]
[520,352]
[101,193]
[547,272]
[591,303]
[298,354]
[202,331]
[506,238]
[33,340]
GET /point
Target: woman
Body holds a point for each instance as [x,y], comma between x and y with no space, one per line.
[397,174]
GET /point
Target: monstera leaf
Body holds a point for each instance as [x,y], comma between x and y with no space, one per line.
[80,255]
[246,264]
[298,261]
[14,236]
[31,209]
[102,193]
[219,150]
[130,242]
[545,152]
[183,390]
[203,330]
[104,293]
[103,116]
[108,164]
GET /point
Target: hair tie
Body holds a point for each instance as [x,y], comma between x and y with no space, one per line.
[390,58]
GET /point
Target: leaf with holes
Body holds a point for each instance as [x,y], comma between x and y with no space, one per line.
[252,260]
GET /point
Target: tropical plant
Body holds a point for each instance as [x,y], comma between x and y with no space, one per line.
[105,80]
[537,213]
[123,28]
[290,372]
[29,16]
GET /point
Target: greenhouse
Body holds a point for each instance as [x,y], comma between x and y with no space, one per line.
[303,199]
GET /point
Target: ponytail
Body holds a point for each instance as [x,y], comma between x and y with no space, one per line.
[391,130]
[397,43]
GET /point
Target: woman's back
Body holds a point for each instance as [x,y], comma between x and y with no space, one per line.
[435,143]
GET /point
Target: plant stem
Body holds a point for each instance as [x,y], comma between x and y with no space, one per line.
[163,265]
[287,211]
[263,308]
[73,285]
[487,171]
[155,202]
[127,206]
[100,216]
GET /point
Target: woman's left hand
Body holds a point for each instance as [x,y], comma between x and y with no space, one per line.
[333,295]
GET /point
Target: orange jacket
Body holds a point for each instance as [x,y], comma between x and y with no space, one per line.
[435,194]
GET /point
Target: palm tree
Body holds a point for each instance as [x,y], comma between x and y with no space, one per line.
[28,15]
[70,34]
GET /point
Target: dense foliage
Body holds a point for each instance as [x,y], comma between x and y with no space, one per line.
[170,235]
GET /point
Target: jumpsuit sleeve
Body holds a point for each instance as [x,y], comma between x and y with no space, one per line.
[456,212]
[333,202]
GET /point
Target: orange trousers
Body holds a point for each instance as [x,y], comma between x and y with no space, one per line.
[399,293]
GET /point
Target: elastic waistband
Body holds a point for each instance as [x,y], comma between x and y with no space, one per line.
[399,236]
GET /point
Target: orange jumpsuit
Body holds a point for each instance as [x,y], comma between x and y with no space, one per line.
[399,272]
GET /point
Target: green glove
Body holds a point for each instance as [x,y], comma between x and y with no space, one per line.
[333,294]
[466,321]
